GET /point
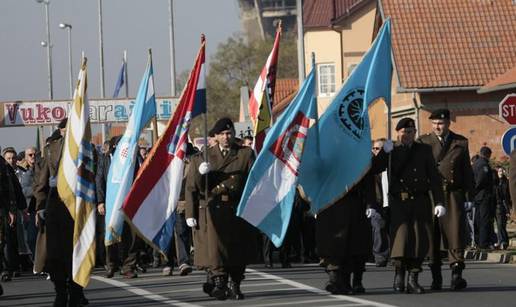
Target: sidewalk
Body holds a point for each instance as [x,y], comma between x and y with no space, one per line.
[500,256]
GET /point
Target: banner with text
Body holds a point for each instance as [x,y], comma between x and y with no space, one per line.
[31,113]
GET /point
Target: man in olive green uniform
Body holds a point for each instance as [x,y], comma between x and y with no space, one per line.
[413,175]
[58,225]
[451,153]
[221,239]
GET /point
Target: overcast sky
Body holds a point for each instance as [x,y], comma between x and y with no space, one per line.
[132,25]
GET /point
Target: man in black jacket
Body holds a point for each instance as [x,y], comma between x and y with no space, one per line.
[483,195]
[127,251]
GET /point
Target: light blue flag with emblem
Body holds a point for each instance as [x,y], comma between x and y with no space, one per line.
[270,189]
[121,171]
[343,156]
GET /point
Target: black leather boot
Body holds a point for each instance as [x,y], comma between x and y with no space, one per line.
[208,286]
[334,283]
[346,288]
[437,278]
[61,299]
[358,288]
[457,282]
[413,284]
[234,292]
[399,279]
[220,291]
[76,295]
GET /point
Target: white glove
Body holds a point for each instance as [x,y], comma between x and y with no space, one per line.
[388,146]
[370,213]
[204,168]
[191,222]
[468,205]
[439,210]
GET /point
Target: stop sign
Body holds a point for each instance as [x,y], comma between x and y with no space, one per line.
[507,109]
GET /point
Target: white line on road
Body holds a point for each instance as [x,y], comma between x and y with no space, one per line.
[144,293]
[318,291]
[328,300]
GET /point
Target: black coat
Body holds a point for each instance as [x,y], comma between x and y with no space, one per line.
[483,174]
[343,229]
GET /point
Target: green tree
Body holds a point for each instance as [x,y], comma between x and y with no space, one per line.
[238,63]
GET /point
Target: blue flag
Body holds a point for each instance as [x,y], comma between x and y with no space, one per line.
[120,81]
[332,167]
[270,189]
[121,171]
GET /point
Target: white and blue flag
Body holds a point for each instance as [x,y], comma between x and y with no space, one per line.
[121,171]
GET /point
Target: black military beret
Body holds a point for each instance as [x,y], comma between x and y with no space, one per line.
[440,114]
[63,122]
[406,122]
[221,125]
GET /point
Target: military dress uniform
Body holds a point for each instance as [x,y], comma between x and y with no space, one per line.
[413,175]
[344,238]
[223,242]
[451,154]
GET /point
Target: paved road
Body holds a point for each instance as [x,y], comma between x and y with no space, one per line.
[489,285]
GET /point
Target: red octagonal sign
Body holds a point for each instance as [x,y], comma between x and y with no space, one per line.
[507,109]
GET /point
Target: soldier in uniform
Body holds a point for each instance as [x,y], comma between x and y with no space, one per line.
[451,153]
[219,235]
[344,239]
[58,226]
[413,175]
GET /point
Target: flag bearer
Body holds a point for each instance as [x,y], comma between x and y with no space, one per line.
[58,226]
[344,239]
[413,175]
[222,241]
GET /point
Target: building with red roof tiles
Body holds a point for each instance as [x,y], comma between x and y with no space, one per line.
[457,54]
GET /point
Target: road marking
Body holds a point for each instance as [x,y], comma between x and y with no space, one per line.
[318,291]
[328,300]
[144,293]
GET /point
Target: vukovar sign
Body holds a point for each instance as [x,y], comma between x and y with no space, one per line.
[29,113]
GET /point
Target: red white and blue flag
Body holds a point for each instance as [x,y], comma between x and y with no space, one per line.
[151,203]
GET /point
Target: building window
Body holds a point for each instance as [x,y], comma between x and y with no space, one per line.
[326,74]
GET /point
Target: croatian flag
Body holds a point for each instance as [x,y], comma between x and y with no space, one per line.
[270,189]
[151,203]
[121,170]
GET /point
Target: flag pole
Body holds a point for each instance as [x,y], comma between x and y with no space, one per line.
[125,75]
[154,118]
[316,123]
[205,115]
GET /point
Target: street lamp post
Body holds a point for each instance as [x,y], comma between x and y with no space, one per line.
[101,53]
[69,28]
[48,45]
[172,49]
